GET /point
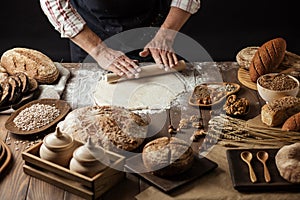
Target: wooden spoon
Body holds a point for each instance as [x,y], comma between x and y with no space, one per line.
[263,156]
[247,157]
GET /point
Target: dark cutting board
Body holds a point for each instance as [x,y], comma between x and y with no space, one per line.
[240,173]
[200,167]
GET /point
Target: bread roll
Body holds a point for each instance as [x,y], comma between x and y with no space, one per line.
[287,162]
[292,123]
[31,62]
[167,156]
[267,58]
[245,56]
[276,112]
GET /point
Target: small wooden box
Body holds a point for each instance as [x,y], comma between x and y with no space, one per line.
[81,185]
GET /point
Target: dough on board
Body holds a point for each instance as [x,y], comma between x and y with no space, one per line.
[154,92]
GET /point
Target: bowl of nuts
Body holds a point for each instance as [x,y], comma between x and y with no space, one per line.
[276,85]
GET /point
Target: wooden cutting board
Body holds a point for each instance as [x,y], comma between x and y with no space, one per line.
[244,78]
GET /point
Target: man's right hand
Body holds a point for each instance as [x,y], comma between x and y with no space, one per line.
[116,61]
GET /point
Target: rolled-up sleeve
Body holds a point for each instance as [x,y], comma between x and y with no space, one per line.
[191,6]
[63,17]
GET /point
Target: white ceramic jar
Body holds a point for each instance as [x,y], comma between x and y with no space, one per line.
[58,148]
[85,162]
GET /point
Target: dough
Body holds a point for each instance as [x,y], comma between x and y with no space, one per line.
[154,92]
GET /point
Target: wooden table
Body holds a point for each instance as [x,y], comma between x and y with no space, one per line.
[15,184]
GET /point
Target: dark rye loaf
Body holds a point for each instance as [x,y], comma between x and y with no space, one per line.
[267,58]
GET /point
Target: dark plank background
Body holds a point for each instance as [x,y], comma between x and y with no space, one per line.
[221,27]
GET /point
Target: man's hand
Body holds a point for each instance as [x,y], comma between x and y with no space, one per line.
[161,49]
[117,62]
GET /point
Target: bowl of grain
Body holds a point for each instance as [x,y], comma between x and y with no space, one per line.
[276,85]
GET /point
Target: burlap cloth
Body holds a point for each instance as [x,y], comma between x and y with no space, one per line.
[215,185]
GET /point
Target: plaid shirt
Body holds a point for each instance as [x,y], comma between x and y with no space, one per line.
[69,23]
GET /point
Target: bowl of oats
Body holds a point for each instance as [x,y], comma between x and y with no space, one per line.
[276,85]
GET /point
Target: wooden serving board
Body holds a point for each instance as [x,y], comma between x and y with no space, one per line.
[63,107]
[6,157]
[200,167]
[240,173]
[244,78]
[213,85]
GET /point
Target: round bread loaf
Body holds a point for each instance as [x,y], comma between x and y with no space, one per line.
[267,58]
[287,161]
[245,56]
[167,156]
[113,128]
[292,123]
[31,62]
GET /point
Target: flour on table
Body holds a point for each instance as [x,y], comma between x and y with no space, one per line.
[146,93]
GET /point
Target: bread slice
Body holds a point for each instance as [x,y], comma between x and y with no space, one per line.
[6,90]
[276,112]
[25,81]
[15,93]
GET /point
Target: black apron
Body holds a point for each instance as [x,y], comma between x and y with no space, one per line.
[109,17]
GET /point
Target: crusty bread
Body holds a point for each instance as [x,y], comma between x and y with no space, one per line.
[287,162]
[114,128]
[292,123]
[276,112]
[267,58]
[245,56]
[167,156]
[31,62]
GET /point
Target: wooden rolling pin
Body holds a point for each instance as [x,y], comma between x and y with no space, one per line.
[146,71]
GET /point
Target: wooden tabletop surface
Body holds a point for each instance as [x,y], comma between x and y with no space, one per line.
[16,185]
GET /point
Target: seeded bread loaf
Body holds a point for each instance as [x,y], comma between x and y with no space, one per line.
[276,112]
[167,156]
[267,58]
[31,62]
[292,123]
[113,128]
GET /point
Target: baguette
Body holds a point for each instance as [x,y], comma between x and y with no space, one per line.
[276,112]
[267,58]
[31,62]
[292,123]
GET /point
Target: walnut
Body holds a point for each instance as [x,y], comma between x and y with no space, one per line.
[184,123]
[236,106]
[197,135]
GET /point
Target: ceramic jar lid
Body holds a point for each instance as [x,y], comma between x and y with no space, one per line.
[84,153]
[58,140]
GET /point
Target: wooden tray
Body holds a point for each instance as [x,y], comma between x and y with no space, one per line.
[199,168]
[6,157]
[240,173]
[78,184]
[193,99]
[63,107]
[244,78]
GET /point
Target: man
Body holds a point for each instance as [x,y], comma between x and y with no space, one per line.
[89,22]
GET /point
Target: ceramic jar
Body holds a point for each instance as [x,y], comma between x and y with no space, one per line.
[58,148]
[88,159]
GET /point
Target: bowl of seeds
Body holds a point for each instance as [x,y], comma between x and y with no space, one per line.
[276,85]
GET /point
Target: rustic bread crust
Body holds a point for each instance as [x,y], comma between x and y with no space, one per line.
[292,123]
[31,62]
[167,156]
[276,112]
[267,58]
